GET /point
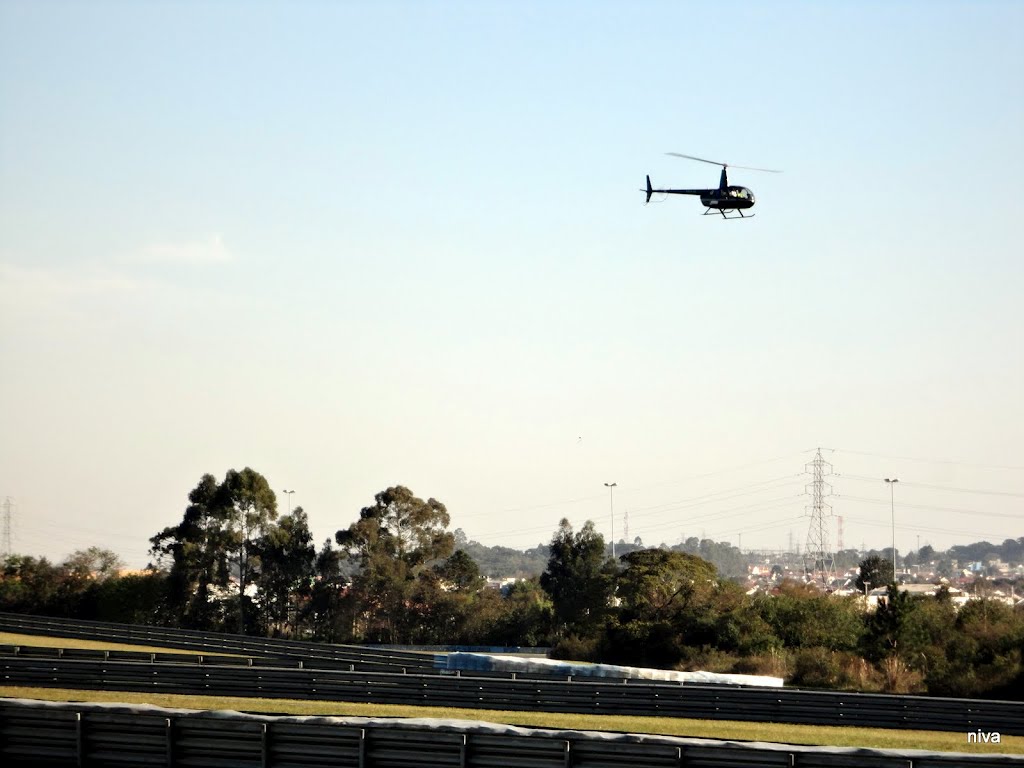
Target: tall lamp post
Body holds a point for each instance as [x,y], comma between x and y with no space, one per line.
[289,500]
[892,508]
[611,505]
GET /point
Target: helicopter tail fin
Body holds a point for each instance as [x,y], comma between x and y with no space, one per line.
[649,190]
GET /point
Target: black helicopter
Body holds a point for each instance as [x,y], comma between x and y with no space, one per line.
[725,198]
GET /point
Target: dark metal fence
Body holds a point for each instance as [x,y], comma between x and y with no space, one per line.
[217,642]
[47,735]
[48,652]
[580,696]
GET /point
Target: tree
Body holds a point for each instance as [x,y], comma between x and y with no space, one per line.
[137,598]
[215,534]
[875,571]
[659,592]
[392,542]
[78,578]
[578,578]
[461,572]
[527,616]
[94,564]
[196,550]
[891,629]
[657,584]
[330,609]
[27,584]
[803,617]
[286,568]
[250,505]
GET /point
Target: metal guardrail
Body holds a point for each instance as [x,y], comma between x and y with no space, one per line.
[580,696]
[507,650]
[215,642]
[51,653]
[491,690]
[47,735]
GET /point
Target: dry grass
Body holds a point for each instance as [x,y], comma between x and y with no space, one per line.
[10,638]
[878,738]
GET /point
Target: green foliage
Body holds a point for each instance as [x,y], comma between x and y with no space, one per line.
[331,610]
[802,617]
[393,542]
[875,572]
[28,585]
[573,647]
[659,584]
[984,656]
[503,561]
[249,506]
[726,557]
[893,628]
[526,617]
[642,643]
[216,535]
[745,630]
[397,577]
[131,599]
[196,553]
[286,557]
[461,572]
[578,578]
[816,667]
[93,564]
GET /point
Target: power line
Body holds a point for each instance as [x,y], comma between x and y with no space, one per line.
[985,492]
[709,498]
[548,505]
[956,510]
[931,461]
[929,529]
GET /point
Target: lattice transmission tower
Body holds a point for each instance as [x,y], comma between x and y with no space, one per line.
[819,560]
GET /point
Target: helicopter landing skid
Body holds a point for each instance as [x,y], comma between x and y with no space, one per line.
[740,213]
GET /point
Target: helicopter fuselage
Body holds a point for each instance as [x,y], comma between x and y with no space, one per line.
[726,197]
[729,198]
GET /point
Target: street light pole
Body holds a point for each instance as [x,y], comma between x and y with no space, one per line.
[289,500]
[611,505]
[892,508]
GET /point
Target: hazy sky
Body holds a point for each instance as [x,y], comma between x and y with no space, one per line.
[354,245]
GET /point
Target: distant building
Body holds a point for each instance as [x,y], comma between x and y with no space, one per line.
[879,595]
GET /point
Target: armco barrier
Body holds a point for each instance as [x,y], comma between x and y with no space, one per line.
[48,652]
[216,642]
[589,697]
[46,735]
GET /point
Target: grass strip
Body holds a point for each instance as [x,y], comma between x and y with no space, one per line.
[878,738]
[45,641]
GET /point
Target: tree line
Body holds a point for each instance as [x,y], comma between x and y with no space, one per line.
[398,575]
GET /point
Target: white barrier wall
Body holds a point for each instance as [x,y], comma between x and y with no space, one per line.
[486,662]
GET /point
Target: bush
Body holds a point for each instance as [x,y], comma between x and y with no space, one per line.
[641,644]
[897,677]
[816,668]
[775,663]
[575,648]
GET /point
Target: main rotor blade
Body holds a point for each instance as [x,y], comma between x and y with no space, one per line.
[691,157]
[748,168]
[724,165]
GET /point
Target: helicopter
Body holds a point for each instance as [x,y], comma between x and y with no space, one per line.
[725,198]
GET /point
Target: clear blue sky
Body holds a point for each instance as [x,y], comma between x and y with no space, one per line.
[353,245]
